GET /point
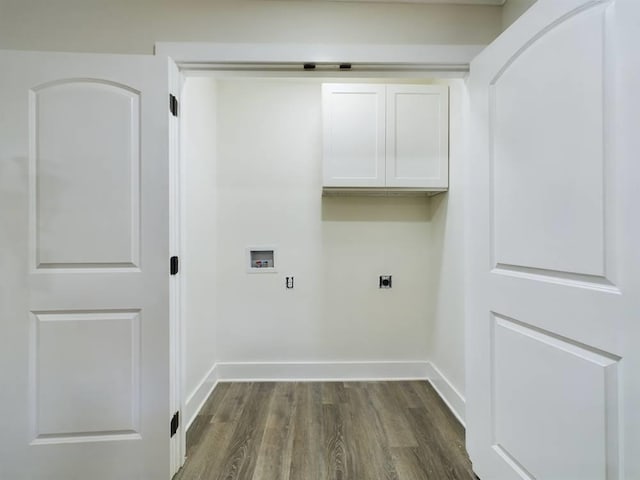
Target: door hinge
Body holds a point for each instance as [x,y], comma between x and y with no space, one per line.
[173,105]
[174,262]
[175,423]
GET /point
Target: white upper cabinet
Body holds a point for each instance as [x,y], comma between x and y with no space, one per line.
[417,136]
[385,137]
[354,135]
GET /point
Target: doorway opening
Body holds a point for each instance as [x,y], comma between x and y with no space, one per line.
[250,174]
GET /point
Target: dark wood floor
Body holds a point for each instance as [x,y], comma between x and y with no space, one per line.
[325,431]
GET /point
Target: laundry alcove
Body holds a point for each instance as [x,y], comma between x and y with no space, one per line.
[252,151]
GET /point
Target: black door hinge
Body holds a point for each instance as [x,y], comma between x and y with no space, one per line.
[174,262]
[175,423]
[173,105]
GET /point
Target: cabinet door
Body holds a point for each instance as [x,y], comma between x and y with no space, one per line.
[417,139]
[353,135]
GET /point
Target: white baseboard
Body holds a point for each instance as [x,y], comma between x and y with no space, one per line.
[196,399]
[449,394]
[321,371]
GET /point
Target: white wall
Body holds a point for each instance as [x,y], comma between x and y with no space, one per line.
[269,192]
[446,332]
[199,237]
[512,9]
[133,26]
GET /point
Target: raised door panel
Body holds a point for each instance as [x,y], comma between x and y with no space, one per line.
[354,135]
[549,387]
[548,165]
[85,144]
[417,151]
[92,390]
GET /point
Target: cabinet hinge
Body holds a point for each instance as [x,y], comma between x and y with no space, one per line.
[173,105]
[174,263]
[175,423]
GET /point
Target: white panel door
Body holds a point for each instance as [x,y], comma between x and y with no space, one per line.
[353,135]
[417,139]
[553,364]
[84,350]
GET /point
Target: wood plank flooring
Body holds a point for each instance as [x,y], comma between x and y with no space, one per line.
[326,431]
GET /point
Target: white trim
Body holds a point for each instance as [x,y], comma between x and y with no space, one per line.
[197,398]
[449,394]
[321,371]
[442,58]
[176,358]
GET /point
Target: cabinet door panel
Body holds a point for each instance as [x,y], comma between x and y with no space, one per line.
[417,137]
[354,135]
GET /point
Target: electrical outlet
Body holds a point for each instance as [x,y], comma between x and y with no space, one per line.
[289,282]
[385,281]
